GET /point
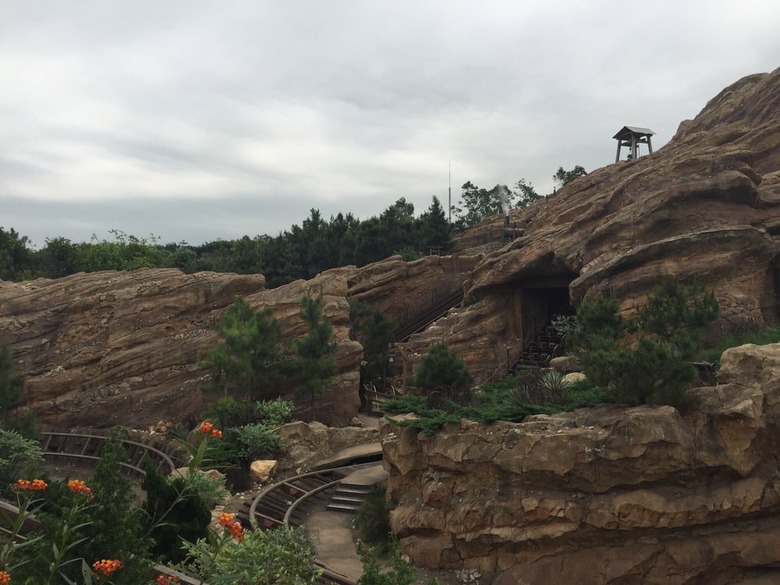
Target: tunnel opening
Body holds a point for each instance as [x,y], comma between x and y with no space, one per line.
[541,302]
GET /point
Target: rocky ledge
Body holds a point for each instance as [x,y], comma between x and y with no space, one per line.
[605,495]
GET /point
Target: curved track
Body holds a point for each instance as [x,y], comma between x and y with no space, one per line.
[287,502]
[83,447]
[284,503]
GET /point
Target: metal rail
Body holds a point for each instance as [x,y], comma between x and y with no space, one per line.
[277,505]
[87,447]
[282,504]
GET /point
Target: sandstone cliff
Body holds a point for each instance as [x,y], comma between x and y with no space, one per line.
[122,347]
[603,496]
[704,206]
[109,348]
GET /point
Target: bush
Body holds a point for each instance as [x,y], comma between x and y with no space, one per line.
[372,521]
[443,377]
[258,441]
[270,557]
[19,457]
[655,369]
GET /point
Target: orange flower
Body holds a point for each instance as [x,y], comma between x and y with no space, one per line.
[106,566]
[237,531]
[26,485]
[216,433]
[205,427]
[5,578]
[225,519]
[165,580]
[78,487]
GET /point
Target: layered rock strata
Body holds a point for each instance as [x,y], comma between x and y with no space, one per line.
[608,495]
[705,206]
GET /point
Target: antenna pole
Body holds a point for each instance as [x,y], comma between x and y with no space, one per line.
[449,192]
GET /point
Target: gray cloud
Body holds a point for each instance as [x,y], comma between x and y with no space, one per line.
[203,120]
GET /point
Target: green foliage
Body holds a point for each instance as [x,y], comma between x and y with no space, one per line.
[232,413]
[211,488]
[15,256]
[248,361]
[374,330]
[174,514]
[399,573]
[314,352]
[126,252]
[717,346]
[300,252]
[526,194]
[271,557]
[116,524]
[563,177]
[372,520]
[19,458]
[656,368]
[443,377]
[274,413]
[258,441]
[536,386]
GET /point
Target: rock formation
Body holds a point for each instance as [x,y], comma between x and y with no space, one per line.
[122,347]
[112,348]
[705,206]
[107,348]
[603,496]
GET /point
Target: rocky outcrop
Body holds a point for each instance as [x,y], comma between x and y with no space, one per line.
[607,495]
[705,207]
[112,348]
[311,444]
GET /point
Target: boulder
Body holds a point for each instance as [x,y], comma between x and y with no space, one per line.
[261,471]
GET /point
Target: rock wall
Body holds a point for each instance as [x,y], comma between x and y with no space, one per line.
[705,206]
[608,495]
[112,348]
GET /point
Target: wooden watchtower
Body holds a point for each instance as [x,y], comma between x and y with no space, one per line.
[632,137]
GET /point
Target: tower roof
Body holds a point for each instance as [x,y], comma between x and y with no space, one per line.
[627,131]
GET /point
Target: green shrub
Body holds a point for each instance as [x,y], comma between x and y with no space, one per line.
[174,514]
[264,557]
[274,413]
[536,386]
[443,377]
[19,458]
[258,441]
[372,520]
[656,368]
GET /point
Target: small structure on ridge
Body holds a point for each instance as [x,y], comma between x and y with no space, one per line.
[632,137]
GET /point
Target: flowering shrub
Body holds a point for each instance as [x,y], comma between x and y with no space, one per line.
[230,523]
[207,428]
[26,485]
[106,566]
[77,486]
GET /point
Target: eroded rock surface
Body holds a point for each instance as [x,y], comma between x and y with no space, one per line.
[606,495]
[122,347]
[704,206]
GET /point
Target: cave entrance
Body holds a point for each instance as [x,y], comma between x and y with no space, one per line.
[541,301]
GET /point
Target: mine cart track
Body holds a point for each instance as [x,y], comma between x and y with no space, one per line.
[85,449]
[422,321]
[286,503]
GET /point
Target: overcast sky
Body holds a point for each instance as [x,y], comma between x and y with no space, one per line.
[196,121]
